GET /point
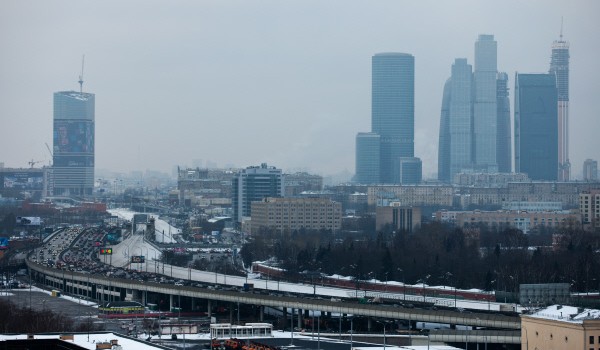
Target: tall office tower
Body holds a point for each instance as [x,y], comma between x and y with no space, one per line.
[73,158]
[444,136]
[536,126]
[559,66]
[254,184]
[503,136]
[367,158]
[590,170]
[456,123]
[392,109]
[484,104]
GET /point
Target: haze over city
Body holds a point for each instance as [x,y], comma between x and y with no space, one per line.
[287,83]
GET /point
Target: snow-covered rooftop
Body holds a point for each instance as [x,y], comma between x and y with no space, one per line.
[567,313]
[89,341]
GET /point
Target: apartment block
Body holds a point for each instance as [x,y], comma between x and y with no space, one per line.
[290,214]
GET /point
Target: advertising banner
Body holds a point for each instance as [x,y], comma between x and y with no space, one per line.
[29,220]
[73,136]
[138,259]
[22,180]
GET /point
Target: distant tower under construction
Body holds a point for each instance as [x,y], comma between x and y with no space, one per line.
[559,66]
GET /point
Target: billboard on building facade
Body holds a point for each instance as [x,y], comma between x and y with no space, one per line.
[73,136]
[29,220]
[3,243]
[22,180]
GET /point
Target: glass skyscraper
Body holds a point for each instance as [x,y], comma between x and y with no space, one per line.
[456,123]
[503,139]
[393,109]
[536,126]
[484,104]
[367,158]
[475,116]
[386,154]
[73,155]
[444,138]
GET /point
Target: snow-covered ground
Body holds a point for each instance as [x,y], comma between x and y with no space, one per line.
[164,231]
[8,293]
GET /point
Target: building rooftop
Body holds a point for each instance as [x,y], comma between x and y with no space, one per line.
[87,341]
[83,96]
[566,313]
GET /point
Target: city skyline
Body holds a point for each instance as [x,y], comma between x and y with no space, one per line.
[197,81]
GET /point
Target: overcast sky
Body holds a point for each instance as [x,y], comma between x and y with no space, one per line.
[282,82]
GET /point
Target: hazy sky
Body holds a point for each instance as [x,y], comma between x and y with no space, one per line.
[283,82]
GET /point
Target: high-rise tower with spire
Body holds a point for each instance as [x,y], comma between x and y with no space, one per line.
[559,66]
[74,134]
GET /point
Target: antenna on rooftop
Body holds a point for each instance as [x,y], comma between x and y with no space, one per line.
[81,76]
[561,28]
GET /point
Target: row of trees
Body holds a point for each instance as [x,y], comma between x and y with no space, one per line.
[15,319]
[438,254]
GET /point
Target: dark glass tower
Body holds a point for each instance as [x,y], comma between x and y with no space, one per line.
[484,104]
[536,126]
[503,137]
[444,140]
[73,156]
[367,158]
[392,110]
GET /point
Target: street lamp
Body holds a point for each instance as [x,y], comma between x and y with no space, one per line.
[403,283]
[448,275]
[319,331]
[351,331]
[423,281]
[292,329]
[491,290]
[384,323]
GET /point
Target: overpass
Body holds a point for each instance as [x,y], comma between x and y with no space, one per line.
[110,288]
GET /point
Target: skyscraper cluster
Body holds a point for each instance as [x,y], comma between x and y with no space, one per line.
[475,129]
[386,154]
[475,116]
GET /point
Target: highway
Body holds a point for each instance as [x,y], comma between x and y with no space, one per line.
[117,285]
[109,284]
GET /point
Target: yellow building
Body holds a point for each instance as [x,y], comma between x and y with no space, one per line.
[561,327]
[589,207]
[296,213]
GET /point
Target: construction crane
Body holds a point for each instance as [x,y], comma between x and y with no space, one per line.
[81,76]
[33,162]
[49,151]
